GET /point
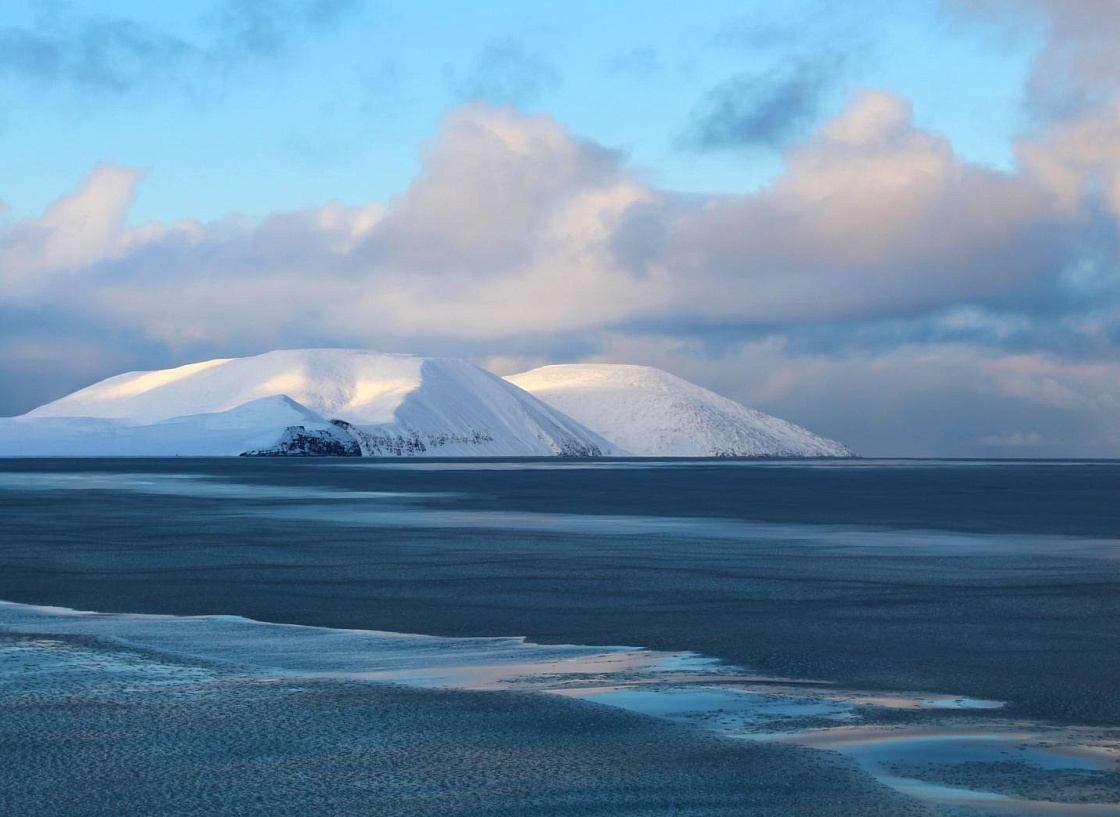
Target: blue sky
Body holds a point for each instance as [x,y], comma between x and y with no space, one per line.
[339,108]
[895,223]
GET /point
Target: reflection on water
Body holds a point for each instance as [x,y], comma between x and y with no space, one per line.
[195,486]
[937,747]
[717,462]
[324,505]
[828,536]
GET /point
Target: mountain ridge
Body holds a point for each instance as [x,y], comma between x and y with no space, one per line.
[651,412]
[340,402]
[347,402]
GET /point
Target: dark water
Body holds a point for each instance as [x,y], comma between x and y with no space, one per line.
[995,581]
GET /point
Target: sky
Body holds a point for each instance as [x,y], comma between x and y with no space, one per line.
[895,223]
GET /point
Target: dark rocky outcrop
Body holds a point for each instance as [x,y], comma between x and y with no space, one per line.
[407,444]
[298,441]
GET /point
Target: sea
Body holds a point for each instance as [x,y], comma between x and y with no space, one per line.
[559,637]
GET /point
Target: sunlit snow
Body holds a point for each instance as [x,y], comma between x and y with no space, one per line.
[652,413]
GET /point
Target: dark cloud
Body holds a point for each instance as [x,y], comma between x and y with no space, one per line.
[52,350]
[118,55]
[269,29]
[506,73]
[249,28]
[104,53]
[762,110]
[947,414]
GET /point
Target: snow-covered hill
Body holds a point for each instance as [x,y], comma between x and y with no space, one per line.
[651,413]
[308,401]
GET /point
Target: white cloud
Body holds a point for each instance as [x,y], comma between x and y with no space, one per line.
[516,226]
[75,232]
[1079,158]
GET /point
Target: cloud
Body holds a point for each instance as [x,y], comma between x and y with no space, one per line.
[955,400]
[1079,66]
[119,55]
[873,218]
[268,29]
[767,110]
[879,267]
[506,73]
[103,53]
[75,232]
[808,26]
[801,58]
[1079,159]
[490,184]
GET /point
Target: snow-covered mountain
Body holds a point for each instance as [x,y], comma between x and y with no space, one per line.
[340,402]
[309,401]
[651,413]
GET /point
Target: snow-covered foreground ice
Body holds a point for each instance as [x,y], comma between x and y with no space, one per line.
[944,749]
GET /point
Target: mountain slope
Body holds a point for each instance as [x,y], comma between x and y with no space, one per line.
[306,401]
[652,413]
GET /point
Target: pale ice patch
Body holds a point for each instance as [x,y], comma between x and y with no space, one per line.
[406,509]
[263,648]
[187,485]
[833,538]
[598,464]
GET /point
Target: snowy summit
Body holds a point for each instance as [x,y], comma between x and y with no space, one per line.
[651,413]
[333,402]
[340,402]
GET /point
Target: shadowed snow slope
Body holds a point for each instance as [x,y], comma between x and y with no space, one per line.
[307,401]
[652,413]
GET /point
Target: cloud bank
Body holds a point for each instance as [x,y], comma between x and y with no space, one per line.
[119,55]
[882,291]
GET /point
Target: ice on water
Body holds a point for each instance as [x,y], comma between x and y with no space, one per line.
[193,654]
